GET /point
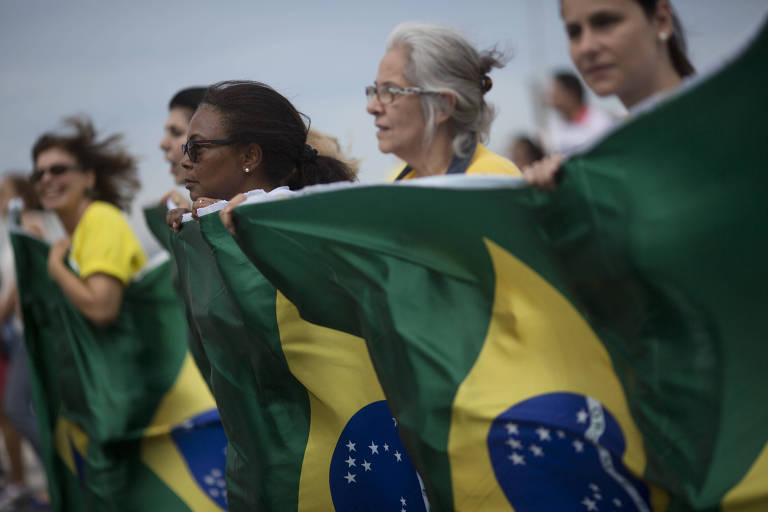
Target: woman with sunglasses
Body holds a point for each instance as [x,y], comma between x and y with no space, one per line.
[245,136]
[634,49]
[429,105]
[87,182]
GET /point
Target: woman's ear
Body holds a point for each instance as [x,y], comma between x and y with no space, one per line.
[448,100]
[662,20]
[252,156]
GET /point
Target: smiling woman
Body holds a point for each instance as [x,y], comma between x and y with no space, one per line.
[86,182]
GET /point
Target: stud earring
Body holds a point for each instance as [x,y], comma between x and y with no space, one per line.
[663,36]
[247,170]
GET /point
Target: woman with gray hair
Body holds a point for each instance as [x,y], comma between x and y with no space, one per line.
[429,105]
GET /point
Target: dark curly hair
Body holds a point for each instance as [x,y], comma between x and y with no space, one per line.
[115,169]
[254,112]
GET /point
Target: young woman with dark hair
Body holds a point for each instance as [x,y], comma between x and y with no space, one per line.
[634,49]
[180,110]
[246,136]
[86,182]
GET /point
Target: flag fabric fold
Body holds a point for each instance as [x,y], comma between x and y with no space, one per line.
[599,346]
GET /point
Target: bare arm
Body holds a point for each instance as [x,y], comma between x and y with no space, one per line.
[98,297]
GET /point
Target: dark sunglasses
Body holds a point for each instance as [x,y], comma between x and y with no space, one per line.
[53,170]
[191,148]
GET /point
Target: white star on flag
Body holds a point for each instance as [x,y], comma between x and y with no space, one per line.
[350,478]
[386,447]
[578,446]
[543,434]
[366,465]
[398,456]
[517,459]
[536,450]
[511,429]
[402,501]
[598,496]
[374,448]
[351,446]
[594,487]
[514,443]
[582,416]
[350,462]
[617,502]
[591,505]
[561,434]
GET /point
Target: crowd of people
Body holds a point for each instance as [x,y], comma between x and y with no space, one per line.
[221,142]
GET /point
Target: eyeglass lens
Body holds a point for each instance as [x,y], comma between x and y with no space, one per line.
[381,93]
[54,170]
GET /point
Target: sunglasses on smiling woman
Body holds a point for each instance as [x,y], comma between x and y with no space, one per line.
[54,170]
[192,147]
[386,95]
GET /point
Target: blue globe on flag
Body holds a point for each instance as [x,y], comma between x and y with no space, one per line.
[562,451]
[202,442]
[370,469]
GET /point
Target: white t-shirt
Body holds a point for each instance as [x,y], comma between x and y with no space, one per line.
[568,136]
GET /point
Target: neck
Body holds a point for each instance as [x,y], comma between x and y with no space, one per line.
[666,79]
[70,217]
[435,158]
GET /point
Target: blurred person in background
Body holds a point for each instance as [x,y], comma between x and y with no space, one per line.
[524,151]
[17,417]
[428,101]
[577,122]
[634,49]
[180,110]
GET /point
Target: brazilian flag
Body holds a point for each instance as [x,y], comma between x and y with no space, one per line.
[306,419]
[126,421]
[598,348]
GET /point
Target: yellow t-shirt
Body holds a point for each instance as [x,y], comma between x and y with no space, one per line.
[104,243]
[484,161]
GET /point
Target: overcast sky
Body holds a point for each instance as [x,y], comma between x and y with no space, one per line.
[120,62]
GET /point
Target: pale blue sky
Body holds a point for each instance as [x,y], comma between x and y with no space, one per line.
[120,62]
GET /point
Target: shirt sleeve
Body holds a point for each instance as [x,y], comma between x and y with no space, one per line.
[109,246]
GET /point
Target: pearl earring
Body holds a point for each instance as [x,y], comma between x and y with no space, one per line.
[663,36]
[247,170]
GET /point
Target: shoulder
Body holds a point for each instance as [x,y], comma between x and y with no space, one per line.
[486,161]
[100,211]
[104,219]
[104,242]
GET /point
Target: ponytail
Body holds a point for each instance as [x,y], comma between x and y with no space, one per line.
[678,49]
[319,169]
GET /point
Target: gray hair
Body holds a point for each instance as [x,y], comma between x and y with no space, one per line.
[442,59]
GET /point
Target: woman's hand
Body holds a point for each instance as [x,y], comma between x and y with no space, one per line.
[173,218]
[226,212]
[56,256]
[543,174]
[176,197]
[202,202]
